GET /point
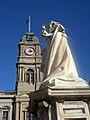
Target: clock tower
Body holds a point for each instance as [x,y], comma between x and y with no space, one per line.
[28,65]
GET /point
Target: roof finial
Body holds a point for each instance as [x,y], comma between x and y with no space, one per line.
[28,22]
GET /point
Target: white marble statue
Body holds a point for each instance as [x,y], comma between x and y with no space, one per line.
[59,67]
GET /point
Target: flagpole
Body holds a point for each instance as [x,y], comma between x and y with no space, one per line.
[29,24]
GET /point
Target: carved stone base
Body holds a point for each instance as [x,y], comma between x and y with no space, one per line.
[54,103]
[78,83]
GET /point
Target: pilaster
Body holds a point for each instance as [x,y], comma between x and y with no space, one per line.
[17,110]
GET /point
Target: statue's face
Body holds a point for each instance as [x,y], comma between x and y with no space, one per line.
[52,27]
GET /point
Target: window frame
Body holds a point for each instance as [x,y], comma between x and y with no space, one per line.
[29,76]
[5,117]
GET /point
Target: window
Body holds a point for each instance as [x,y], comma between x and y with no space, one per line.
[30,76]
[5,115]
[27,77]
[33,116]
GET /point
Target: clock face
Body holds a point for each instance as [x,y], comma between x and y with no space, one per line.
[29,51]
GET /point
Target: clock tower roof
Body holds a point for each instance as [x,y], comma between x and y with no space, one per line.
[30,37]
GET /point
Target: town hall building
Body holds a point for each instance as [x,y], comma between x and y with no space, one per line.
[16,105]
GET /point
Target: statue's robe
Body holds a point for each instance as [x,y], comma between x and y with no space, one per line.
[59,65]
[58,58]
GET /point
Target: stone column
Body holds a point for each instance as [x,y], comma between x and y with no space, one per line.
[17,111]
[0,112]
[20,106]
[25,115]
[10,115]
[49,112]
[19,73]
[22,73]
[87,110]
[37,72]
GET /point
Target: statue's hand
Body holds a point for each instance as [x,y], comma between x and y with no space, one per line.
[44,33]
[43,27]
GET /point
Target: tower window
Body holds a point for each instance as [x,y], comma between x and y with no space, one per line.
[30,76]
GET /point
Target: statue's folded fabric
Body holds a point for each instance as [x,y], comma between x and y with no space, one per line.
[58,62]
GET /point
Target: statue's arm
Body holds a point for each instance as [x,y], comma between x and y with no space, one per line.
[45,33]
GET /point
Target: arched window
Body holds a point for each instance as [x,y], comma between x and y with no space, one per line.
[29,76]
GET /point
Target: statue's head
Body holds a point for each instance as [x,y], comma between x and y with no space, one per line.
[53,25]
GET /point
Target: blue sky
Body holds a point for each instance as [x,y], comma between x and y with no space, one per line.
[73,14]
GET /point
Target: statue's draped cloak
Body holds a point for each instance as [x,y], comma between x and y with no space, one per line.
[59,62]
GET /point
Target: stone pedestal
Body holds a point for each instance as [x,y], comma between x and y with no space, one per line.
[54,103]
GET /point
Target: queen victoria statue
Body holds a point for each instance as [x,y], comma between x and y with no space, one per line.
[58,64]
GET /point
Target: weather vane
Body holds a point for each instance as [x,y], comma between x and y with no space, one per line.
[28,22]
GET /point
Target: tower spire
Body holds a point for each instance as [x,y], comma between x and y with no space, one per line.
[28,22]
